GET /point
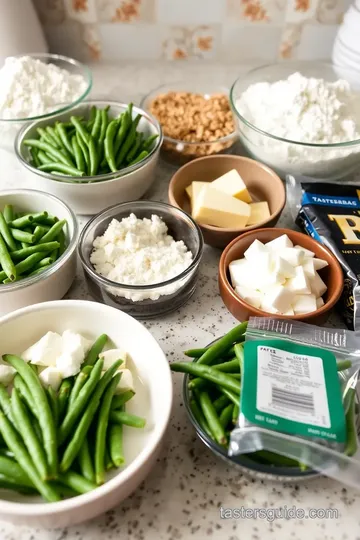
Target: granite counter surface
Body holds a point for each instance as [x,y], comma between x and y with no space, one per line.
[183,495]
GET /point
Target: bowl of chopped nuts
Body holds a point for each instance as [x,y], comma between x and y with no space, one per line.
[196,120]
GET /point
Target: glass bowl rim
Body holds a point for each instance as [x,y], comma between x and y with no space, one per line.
[276,137]
[53,268]
[114,284]
[87,75]
[224,139]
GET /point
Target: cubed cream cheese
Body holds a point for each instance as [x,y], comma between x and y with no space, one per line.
[281,267]
[304,303]
[318,287]
[126,382]
[45,351]
[111,356]
[308,266]
[259,211]
[51,376]
[254,250]
[307,252]
[232,184]
[212,207]
[7,374]
[293,256]
[319,264]
[188,190]
[280,243]
[299,284]
[279,298]
[319,302]
[251,296]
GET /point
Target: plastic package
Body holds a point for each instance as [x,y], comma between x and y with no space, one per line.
[330,213]
[330,448]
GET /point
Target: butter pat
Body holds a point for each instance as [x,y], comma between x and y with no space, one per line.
[259,211]
[232,184]
[213,207]
[188,190]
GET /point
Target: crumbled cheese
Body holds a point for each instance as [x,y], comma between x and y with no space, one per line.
[29,87]
[140,252]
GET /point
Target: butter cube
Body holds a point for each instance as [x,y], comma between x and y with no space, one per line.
[317,285]
[280,243]
[320,263]
[299,284]
[259,211]
[319,302]
[279,298]
[304,303]
[251,296]
[293,256]
[188,190]
[281,267]
[239,271]
[254,250]
[307,252]
[232,184]
[308,266]
[213,207]
[289,313]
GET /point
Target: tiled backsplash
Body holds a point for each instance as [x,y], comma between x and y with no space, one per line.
[229,30]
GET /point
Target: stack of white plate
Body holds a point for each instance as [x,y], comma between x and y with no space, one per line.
[346,51]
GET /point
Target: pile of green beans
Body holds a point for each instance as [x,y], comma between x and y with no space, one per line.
[214,384]
[29,243]
[61,444]
[90,147]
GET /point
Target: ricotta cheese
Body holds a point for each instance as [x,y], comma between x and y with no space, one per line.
[140,252]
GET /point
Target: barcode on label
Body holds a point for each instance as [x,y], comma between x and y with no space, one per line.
[295,401]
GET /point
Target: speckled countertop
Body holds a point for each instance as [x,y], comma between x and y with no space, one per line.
[182,496]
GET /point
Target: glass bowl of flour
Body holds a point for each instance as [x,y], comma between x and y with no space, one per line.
[300,118]
[37,86]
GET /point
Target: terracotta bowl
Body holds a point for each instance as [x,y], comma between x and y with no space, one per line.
[262,183]
[332,275]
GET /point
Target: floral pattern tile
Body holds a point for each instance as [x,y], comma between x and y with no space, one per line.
[290,41]
[186,42]
[255,11]
[91,39]
[81,10]
[126,11]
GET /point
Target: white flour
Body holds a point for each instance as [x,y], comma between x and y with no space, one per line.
[305,110]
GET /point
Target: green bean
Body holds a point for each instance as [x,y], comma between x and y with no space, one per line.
[104,125]
[235,416]
[77,440]
[119,417]
[63,397]
[85,461]
[60,167]
[44,137]
[116,444]
[43,158]
[95,131]
[343,364]
[52,234]
[76,482]
[8,213]
[79,383]
[109,145]
[147,144]
[22,222]
[39,232]
[39,270]
[34,156]
[122,132]
[44,412]
[209,373]
[120,399]
[61,239]
[199,417]
[80,129]
[226,415]
[220,403]
[212,418]
[25,394]
[239,353]
[231,366]
[53,402]
[22,236]
[223,344]
[80,402]
[79,157]
[93,157]
[95,350]
[92,114]
[10,484]
[23,458]
[64,138]
[235,398]
[5,404]
[109,464]
[101,429]
[351,441]
[28,434]
[6,233]
[52,151]
[43,218]
[53,136]
[140,157]
[9,269]
[10,468]
[25,265]
[46,261]
[196,353]
[129,141]
[85,152]
[135,147]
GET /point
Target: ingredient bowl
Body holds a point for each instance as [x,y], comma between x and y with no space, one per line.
[331,275]
[89,195]
[207,137]
[152,400]
[54,282]
[9,127]
[262,183]
[144,301]
[327,161]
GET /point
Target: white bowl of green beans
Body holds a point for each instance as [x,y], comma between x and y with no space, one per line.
[152,401]
[38,238]
[94,156]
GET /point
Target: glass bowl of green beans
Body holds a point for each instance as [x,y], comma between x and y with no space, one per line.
[98,154]
[38,239]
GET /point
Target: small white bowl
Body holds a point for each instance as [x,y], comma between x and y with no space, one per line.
[87,197]
[153,400]
[53,283]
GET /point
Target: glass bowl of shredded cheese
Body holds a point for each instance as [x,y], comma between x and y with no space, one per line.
[37,86]
[300,118]
[142,257]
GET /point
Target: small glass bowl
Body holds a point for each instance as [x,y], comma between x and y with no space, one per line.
[9,127]
[177,151]
[168,295]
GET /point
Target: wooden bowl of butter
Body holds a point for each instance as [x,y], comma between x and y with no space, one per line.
[227,196]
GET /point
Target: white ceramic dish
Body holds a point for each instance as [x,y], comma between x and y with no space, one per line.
[53,283]
[88,198]
[153,400]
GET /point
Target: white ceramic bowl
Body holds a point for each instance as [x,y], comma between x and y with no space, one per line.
[85,196]
[153,400]
[53,283]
